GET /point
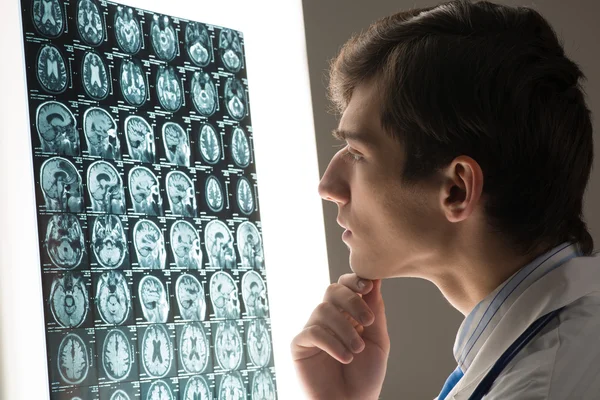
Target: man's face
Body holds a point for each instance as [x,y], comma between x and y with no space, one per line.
[389,225]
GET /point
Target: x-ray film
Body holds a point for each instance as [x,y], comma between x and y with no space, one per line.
[154,278]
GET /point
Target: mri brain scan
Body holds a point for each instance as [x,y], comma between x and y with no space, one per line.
[214,194]
[240,149]
[69,301]
[113,298]
[94,76]
[180,191]
[52,69]
[117,355]
[193,348]
[145,191]
[224,296]
[149,245]
[48,17]
[204,94]
[185,244]
[64,241]
[127,30]
[159,390]
[230,49]
[198,43]
[105,188]
[263,387]
[101,134]
[133,82]
[177,144]
[163,37]
[153,299]
[73,362]
[168,88]
[119,395]
[140,139]
[57,129]
[197,389]
[61,185]
[255,295]
[190,298]
[157,351]
[249,246]
[232,387]
[210,147]
[245,198]
[228,346]
[109,242]
[219,245]
[258,343]
[235,98]
[89,22]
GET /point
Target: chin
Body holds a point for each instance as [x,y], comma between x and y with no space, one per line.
[366,270]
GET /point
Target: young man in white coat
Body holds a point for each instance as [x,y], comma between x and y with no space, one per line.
[468,148]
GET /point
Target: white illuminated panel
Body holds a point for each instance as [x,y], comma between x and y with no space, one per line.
[286,167]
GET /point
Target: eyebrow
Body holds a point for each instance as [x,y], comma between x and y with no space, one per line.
[341,134]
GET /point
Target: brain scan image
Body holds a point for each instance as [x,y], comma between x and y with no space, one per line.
[101,134]
[228,346]
[105,187]
[235,98]
[69,300]
[164,38]
[240,149]
[119,395]
[177,144]
[157,352]
[224,296]
[94,76]
[149,245]
[210,147]
[180,192]
[140,139]
[113,298]
[117,356]
[193,348]
[52,69]
[198,43]
[190,298]
[219,245]
[214,194]
[254,294]
[89,22]
[109,242]
[133,83]
[48,17]
[230,49]
[232,387]
[249,246]
[159,390]
[197,389]
[245,199]
[185,244]
[263,387]
[258,342]
[153,298]
[168,88]
[204,94]
[127,30]
[145,191]
[61,185]
[64,241]
[57,129]
[73,362]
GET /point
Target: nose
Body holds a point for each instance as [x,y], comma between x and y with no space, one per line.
[334,183]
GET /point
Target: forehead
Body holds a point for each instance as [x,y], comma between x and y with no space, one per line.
[363,112]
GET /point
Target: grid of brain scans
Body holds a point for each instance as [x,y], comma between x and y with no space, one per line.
[152,264]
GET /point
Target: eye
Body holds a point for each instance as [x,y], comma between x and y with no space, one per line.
[350,155]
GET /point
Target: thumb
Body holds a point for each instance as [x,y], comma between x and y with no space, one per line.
[376,332]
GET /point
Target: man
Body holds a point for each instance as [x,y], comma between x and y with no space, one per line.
[468,147]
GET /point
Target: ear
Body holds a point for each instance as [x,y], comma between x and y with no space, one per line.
[461,189]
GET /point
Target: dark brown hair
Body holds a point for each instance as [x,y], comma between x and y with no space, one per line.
[491,82]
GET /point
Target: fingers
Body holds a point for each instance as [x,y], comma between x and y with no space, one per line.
[316,336]
[347,300]
[377,332]
[354,282]
[329,316]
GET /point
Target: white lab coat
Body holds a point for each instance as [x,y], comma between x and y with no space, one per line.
[563,359]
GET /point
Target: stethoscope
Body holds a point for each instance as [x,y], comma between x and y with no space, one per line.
[486,383]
